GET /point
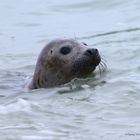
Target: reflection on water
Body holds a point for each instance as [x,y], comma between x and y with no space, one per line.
[104,106]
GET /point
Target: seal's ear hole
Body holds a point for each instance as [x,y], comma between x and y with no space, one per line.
[65,50]
[51,51]
[84,43]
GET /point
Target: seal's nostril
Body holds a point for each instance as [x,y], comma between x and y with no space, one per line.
[90,52]
[96,50]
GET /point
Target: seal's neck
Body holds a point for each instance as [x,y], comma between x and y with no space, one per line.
[39,79]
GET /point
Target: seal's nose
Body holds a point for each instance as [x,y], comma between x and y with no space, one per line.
[91,52]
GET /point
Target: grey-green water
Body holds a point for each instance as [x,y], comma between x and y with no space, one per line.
[105,107]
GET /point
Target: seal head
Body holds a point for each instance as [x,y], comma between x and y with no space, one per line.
[62,60]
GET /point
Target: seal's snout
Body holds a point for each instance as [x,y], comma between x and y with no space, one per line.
[91,52]
[93,55]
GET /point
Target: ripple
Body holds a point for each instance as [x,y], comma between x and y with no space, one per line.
[27,24]
[111,33]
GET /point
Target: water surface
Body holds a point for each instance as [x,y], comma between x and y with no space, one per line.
[106,106]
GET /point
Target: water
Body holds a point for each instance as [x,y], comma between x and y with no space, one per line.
[101,107]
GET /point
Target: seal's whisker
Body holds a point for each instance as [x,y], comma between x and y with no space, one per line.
[100,71]
[102,55]
[104,64]
[101,67]
[102,58]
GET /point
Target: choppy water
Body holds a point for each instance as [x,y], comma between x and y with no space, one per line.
[105,107]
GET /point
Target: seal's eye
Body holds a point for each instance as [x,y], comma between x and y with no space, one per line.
[65,50]
[84,43]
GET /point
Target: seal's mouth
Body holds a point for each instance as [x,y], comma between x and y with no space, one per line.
[87,63]
[96,60]
[93,57]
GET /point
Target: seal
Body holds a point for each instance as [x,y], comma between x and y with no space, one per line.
[62,60]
